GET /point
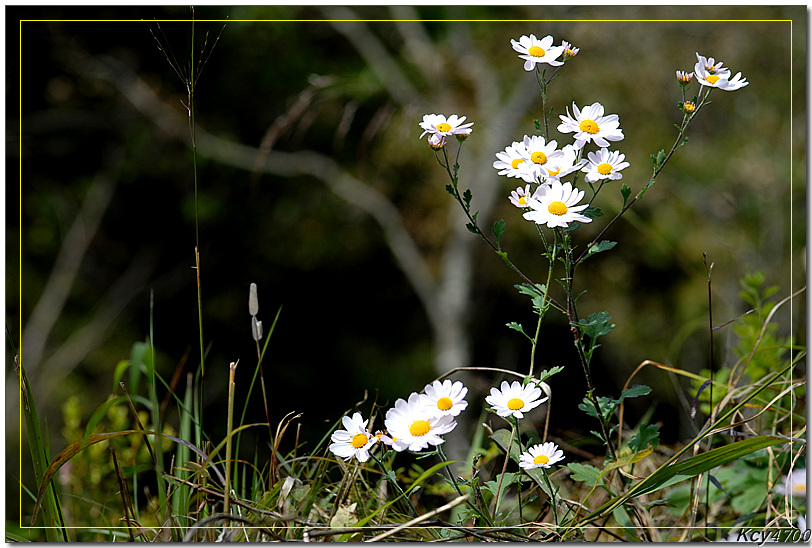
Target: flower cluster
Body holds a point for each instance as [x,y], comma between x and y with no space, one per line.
[539,161]
[421,421]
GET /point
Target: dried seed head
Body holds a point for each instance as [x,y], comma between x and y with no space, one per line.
[253,300]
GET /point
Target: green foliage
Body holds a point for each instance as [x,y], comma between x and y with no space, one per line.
[648,435]
[608,405]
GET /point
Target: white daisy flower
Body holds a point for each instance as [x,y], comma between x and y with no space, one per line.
[354,440]
[515,399]
[533,51]
[710,66]
[794,484]
[511,158]
[519,196]
[605,165]
[717,76]
[591,125]
[437,124]
[445,398]
[557,207]
[414,427]
[542,455]
[543,158]
[567,163]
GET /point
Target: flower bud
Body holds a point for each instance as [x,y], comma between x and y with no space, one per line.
[684,78]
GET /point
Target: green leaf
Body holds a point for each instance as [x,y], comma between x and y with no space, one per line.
[518,327]
[596,325]
[593,212]
[498,229]
[649,434]
[471,228]
[537,125]
[508,478]
[658,160]
[585,473]
[547,373]
[625,191]
[450,189]
[466,197]
[536,293]
[603,245]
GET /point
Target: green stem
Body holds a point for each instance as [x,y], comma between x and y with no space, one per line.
[389,475]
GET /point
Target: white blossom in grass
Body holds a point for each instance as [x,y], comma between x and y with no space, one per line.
[514,399]
[717,76]
[542,455]
[354,440]
[605,165]
[590,125]
[445,398]
[533,51]
[437,124]
[412,426]
[543,158]
[510,160]
[558,206]
[794,484]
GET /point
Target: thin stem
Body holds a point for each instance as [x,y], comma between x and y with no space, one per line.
[441,454]
[389,475]
[677,143]
[229,423]
[543,308]
[475,226]
[504,466]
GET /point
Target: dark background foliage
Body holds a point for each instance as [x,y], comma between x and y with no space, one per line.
[350,322]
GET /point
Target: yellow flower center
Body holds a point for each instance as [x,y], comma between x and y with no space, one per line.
[554,173]
[689,106]
[536,51]
[515,403]
[605,169]
[589,126]
[359,440]
[712,79]
[515,163]
[539,157]
[541,459]
[443,127]
[444,404]
[419,428]
[557,208]
[522,201]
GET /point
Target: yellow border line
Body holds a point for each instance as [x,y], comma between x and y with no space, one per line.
[791,242]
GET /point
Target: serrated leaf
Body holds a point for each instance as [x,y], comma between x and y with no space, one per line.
[625,191]
[649,434]
[466,197]
[603,245]
[634,391]
[498,229]
[593,212]
[450,189]
[518,327]
[585,473]
[596,325]
[547,373]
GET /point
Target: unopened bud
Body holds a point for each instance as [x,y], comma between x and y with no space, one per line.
[436,141]
[684,78]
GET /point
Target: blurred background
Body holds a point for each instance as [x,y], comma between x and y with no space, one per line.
[313,184]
